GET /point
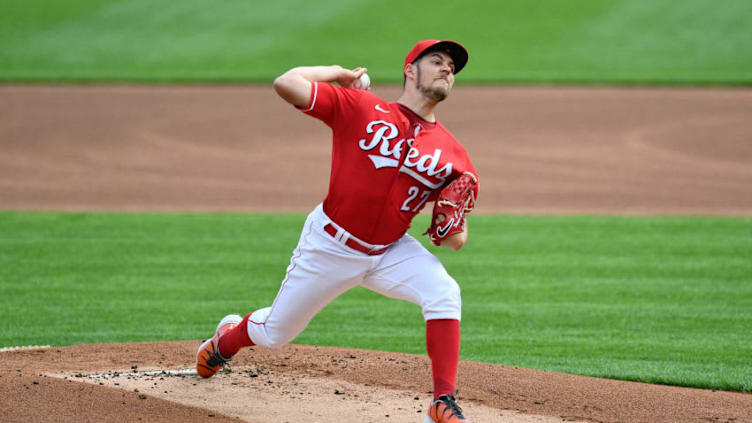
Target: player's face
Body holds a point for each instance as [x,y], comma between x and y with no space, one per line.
[435,75]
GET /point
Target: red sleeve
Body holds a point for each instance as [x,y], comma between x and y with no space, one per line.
[329,102]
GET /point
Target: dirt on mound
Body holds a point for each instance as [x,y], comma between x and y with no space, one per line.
[157,382]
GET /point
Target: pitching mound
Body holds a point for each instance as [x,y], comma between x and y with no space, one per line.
[156,382]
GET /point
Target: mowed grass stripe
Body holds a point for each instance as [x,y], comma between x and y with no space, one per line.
[559,41]
[656,299]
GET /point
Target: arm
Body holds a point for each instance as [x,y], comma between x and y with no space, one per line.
[294,86]
[456,241]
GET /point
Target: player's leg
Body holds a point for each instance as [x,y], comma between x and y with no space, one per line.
[319,271]
[410,272]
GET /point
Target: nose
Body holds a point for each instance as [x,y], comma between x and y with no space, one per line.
[446,68]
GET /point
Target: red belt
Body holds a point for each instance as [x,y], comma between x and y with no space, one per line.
[355,245]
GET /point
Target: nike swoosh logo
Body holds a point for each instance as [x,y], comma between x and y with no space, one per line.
[378,107]
[441,232]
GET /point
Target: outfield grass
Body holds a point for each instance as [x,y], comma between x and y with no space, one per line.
[655,299]
[514,41]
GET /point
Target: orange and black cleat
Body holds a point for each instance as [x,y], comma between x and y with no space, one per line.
[445,410]
[208,358]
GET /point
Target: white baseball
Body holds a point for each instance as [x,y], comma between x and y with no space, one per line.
[362,83]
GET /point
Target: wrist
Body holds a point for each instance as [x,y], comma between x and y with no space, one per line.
[455,241]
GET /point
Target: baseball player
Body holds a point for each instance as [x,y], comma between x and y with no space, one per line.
[388,160]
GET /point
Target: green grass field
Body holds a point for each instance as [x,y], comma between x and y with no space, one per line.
[656,299]
[514,41]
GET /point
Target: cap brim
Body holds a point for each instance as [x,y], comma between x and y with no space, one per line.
[455,50]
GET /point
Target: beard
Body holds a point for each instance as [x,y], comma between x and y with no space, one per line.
[435,93]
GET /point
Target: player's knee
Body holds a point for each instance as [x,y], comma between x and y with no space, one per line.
[453,293]
[444,304]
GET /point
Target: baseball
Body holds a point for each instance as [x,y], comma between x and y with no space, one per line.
[362,83]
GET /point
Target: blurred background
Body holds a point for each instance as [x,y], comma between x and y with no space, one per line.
[510,41]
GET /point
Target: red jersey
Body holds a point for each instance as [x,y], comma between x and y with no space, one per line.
[387,161]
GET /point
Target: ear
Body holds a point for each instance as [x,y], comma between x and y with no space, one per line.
[411,71]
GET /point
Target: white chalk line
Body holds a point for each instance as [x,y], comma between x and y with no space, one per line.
[24,348]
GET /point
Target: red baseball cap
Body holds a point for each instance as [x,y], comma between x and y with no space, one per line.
[452,48]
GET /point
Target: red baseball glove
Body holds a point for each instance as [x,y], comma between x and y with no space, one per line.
[454,201]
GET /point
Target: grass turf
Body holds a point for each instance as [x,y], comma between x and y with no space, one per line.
[655,299]
[572,41]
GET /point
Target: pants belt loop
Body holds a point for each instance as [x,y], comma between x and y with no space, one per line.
[339,235]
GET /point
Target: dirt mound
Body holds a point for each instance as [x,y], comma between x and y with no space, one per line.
[156,382]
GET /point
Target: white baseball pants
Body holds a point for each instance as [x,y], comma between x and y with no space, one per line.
[323,268]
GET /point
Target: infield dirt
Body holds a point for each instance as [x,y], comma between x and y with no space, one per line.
[538,150]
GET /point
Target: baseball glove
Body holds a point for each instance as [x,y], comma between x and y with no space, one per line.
[455,200]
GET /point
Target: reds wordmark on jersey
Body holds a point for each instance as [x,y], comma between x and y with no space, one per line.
[387,161]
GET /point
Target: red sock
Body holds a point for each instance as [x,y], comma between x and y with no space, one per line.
[443,346]
[235,339]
